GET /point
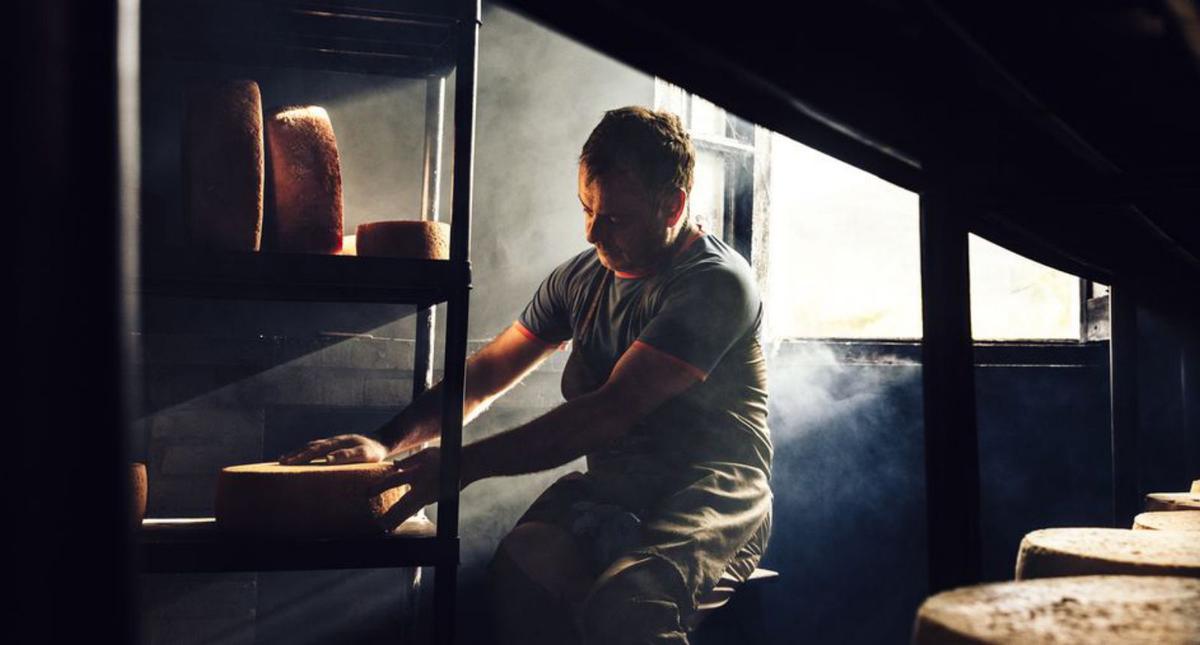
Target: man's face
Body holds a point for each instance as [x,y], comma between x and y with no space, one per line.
[623,222]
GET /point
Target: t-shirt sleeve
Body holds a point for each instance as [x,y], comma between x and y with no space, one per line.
[547,317]
[703,314]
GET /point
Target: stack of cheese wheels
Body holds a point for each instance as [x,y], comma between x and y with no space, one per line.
[404,239]
[306,182]
[223,165]
[1168,521]
[1089,609]
[1094,551]
[1173,501]
[312,500]
[137,490]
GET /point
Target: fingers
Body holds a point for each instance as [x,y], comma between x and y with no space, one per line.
[318,448]
[393,480]
[355,455]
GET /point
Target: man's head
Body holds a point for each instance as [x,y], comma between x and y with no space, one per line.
[635,173]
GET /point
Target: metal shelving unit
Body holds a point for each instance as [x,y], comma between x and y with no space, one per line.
[420,39]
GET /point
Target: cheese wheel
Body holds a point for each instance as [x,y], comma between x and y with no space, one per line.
[1168,521]
[1196,487]
[1092,551]
[1090,609]
[305,182]
[313,500]
[223,165]
[1173,502]
[137,489]
[405,239]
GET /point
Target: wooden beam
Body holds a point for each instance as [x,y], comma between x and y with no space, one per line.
[1123,399]
[948,372]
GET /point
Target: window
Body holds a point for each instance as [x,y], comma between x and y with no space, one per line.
[723,195]
[842,257]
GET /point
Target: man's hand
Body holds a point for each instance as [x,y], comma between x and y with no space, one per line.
[419,471]
[342,449]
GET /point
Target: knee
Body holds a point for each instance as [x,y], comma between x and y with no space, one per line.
[543,554]
[637,600]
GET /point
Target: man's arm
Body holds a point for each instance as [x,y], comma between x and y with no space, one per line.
[643,379]
[490,372]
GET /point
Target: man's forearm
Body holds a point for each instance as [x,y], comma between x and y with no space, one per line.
[574,429]
[487,378]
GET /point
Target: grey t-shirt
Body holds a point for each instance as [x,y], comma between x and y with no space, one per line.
[701,309]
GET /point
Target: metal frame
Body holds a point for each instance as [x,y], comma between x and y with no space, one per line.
[277,276]
[454,366]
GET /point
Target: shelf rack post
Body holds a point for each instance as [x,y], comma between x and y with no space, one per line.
[431,187]
[456,316]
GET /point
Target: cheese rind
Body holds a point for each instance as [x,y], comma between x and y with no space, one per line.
[1168,521]
[415,239]
[1090,609]
[138,489]
[1173,502]
[1095,551]
[315,500]
[223,165]
[305,214]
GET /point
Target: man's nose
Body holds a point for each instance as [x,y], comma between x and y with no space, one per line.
[594,229]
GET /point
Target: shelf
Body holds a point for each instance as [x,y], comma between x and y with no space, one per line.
[234,275]
[198,546]
[409,38]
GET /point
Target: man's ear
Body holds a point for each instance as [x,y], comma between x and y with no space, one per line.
[674,204]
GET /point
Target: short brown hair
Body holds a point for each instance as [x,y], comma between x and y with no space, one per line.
[650,145]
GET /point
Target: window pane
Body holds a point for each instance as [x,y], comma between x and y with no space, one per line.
[707,119]
[844,250]
[707,203]
[1013,297]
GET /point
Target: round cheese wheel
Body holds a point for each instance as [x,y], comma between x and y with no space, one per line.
[137,489]
[1093,551]
[1168,521]
[1173,502]
[1090,609]
[223,165]
[404,239]
[305,214]
[313,500]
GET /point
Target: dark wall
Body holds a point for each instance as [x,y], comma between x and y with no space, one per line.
[849,477]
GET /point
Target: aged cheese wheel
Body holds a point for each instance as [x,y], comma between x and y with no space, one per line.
[137,489]
[1089,609]
[314,500]
[1173,502]
[1092,551]
[305,214]
[1168,521]
[405,239]
[223,165]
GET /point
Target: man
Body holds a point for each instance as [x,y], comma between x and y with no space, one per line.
[666,396]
